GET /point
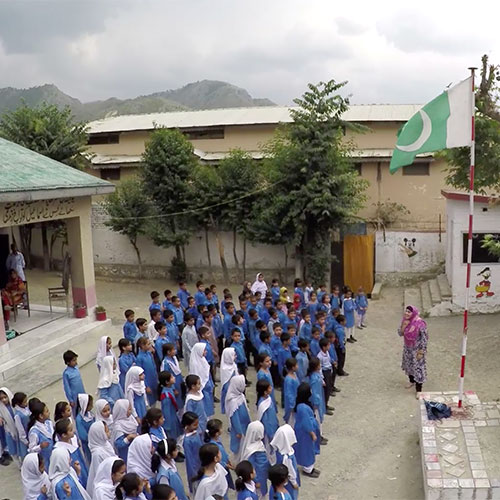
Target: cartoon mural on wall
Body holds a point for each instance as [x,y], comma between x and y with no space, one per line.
[483,287]
[409,246]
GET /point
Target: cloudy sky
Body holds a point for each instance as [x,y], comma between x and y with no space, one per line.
[94,49]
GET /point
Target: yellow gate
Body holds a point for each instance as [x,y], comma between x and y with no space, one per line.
[359,252]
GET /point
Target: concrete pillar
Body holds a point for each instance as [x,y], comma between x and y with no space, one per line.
[3,338]
[82,258]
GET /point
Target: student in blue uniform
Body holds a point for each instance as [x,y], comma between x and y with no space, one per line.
[213,435]
[129,327]
[275,347]
[326,370]
[169,407]
[361,307]
[313,306]
[266,412]
[155,301]
[21,420]
[314,345]
[172,329]
[167,303]
[325,305]
[237,345]
[199,296]
[228,320]
[146,361]
[161,339]
[126,360]
[133,487]
[307,432]
[192,309]
[305,326]
[65,479]
[211,477]
[183,294]
[265,343]
[315,380]
[254,451]
[284,353]
[340,346]
[171,364]
[198,365]
[282,444]
[349,308]
[36,483]
[263,366]
[237,411]
[163,465]
[335,299]
[245,485]
[297,289]
[7,422]
[290,385]
[278,475]
[194,401]
[275,291]
[191,442]
[205,334]
[65,432]
[302,358]
[84,419]
[109,381]
[40,431]
[135,391]
[294,340]
[72,380]
[124,428]
[228,369]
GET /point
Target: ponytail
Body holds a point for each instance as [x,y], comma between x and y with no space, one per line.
[261,387]
[164,449]
[208,453]
[130,483]
[244,472]
[214,426]
[37,408]
[149,419]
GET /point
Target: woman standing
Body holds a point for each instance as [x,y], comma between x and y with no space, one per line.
[414,330]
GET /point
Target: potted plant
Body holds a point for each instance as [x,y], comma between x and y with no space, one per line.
[80,310]
[100,313]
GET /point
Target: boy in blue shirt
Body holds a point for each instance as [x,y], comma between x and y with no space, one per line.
[192,309]
[215,298]
[161,340]
[129,327]
[265,343]
[72,380]
[199,296]
[314,344]
[291,318]
[126,360]
[253,317]
[146,361]
[294,340]
[303,360]
[275,290]
[178,312]
[142,328]
[172,330]
[273,319]
[265,313]
[284,353]
[155,301]
[275,347]
[202,309]
[167,303]
[305,328]
[334,358]
[340,347]
[228,316]
[241,360]
[183,294]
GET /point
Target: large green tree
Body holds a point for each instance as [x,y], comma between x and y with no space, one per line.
[168,164]
[129,208]
[315,187]
[51,132]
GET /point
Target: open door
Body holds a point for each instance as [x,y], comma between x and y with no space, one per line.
[4,253]
[359,259]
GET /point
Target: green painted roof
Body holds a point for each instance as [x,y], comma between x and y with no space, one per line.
[26,175]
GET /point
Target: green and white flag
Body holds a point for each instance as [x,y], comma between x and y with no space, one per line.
[445,122]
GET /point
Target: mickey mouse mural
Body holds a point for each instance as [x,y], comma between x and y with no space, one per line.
[483,287]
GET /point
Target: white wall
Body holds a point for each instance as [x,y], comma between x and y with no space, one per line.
[486,218]
[391,256]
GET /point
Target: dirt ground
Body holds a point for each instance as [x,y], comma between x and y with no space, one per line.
[373,449]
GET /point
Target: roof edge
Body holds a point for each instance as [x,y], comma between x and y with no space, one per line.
[51,194]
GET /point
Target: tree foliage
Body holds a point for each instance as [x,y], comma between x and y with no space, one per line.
[487,154]
[316,188]
[128,207]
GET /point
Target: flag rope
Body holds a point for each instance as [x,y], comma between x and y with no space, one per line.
[469,247]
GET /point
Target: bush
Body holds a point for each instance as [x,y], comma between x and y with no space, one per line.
[178,269]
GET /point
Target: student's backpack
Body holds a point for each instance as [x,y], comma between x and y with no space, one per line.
[437,411]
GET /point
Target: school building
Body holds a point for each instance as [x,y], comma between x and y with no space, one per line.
[411,240]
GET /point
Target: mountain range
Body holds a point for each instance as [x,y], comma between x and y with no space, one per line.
[205,94]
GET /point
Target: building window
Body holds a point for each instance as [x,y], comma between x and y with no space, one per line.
[358,167]
[104,138]
[479,255]
[110,174]
[420,168]
[204,133]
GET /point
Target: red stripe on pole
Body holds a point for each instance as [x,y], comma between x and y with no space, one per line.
[467,277]
[469,235]
[466,318]
[462,368]
[473,129]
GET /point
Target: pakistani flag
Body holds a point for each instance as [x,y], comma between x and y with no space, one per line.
[443,123]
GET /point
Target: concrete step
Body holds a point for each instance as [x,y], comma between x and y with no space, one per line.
[444,287]
[435,293]
[412,297]
[425,293]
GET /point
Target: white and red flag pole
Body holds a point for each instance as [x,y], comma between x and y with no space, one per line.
[469,244]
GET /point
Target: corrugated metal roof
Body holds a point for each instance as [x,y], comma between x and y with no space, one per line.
[381,153]
[244,116]
[24,171]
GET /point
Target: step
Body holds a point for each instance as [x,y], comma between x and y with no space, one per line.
[435,293]
[425,293]
[412,297]
[444,287]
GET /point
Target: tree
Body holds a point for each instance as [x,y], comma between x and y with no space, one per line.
[128,208]
[51,132]
[492,244]
[487,154]
[316,189]
[168,163]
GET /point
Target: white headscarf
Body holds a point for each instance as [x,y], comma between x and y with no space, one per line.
[83,403]
[6,415]
[32,478]
[227,365]
[102,350]
[108,374]
[253,440]
[121,423]
[60,468]
[263,406]
[46,428]
[198,364]
[139,456]
[132,381]
[283,442]
[104,488]
[259,286]
[235,395]
[99,405]
[100,448]
[172,365]
[216,484]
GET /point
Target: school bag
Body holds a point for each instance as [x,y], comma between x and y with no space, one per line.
[436,410]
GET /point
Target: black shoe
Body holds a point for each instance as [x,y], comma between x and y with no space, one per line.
[8,459]
[323,441]
[3,461]
[336,390]
[343,374]
[331,408]
[329,412]
[350,340]
[353,339]
[216,399]
[179,459]
[248,384]
[314,473]
[332,394]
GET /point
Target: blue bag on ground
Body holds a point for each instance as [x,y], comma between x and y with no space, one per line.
[437,411]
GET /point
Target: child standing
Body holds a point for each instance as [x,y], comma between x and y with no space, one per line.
[191,442]
[305,327]
[317,385]
[156,315]
[183,294]
[163,464]
[171,364]
[100,447]
[161,339]
[237,345]
[21,420]
[104,348]
[65,478]
[361,307]
[129,327]
[213,435]
[40,431]
[84,419]
[340,347]
[194,401]
[124,429]
[326,369]
[189,337]
[135,391]
[264,373]
[302,360]
[349,308]
[275,347]
[245,485]
[109,381]
[283,442]
[126,360]
[228,369]
[36,483]
[152,424]
[284,353]
[266,412]
[290,386]
[169,407]
[72,380]
[146,361]
[314,346]
[7,422]
[211,476]
[237,411]
[200,296]
[198,365]
[278,475]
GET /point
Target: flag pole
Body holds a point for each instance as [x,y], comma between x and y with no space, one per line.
[469,244]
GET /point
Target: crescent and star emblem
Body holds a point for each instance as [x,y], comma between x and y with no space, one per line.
[424,135]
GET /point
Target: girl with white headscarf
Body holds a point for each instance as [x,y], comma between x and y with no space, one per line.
[198,365]
[7,415]
[283,442]
[228,369]
[107,477]
[35,480]
[64,478]
[84,419]
[259,285]
[135,391]
[105,348]
[101,448]
[254,451]
[140,454]
[109,381]
[124,428]
[237,412]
